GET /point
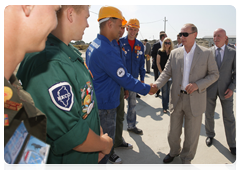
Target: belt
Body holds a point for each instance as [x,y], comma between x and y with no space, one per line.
[184,92]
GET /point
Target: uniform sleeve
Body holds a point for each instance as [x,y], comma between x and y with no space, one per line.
[142,63]
[117,71]
[53,88]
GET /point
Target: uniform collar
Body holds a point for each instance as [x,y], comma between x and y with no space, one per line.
[71,51]
[103,38]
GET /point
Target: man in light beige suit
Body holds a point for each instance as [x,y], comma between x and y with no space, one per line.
[193,69]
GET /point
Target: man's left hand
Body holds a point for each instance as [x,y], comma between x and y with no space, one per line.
[191,87]
[228,93]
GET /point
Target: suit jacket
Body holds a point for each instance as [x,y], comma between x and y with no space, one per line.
[231,45]
[154,51]
[148,49]
[227,73]
[203,72]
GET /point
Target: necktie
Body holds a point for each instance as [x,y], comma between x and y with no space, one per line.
[218,58]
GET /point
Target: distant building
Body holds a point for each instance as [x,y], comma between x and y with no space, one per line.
[231,39]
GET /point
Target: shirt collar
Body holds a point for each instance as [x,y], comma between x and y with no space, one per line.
[222,48]
[192,49]
[70,50]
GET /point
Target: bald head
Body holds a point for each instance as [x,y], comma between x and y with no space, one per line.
[219,37]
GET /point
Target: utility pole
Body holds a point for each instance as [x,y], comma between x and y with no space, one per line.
[165,23]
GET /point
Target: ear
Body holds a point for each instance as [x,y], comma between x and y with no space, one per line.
[27,9]
[70,14]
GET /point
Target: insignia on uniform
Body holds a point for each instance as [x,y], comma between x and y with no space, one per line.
[87,99]
[6,121]
[12,105]
[62,96]
[7,93]
[120,72]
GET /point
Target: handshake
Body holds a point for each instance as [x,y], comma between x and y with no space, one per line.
[153,89]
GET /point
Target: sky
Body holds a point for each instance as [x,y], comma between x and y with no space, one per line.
[207,18]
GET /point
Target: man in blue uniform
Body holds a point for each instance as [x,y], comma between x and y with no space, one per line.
[109,72]
[135,61]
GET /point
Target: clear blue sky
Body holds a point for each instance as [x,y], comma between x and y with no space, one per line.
[207,18]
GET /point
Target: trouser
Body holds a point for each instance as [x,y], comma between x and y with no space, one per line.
[108,123]
[228,119]
[156,74]
[192,128]
[119,120]
[165,95]
[131,113]
[147,66]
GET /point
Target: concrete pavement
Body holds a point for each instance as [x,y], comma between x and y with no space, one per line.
[152,146]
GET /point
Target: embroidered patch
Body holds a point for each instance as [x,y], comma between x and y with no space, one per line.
[62,95]
[120,72]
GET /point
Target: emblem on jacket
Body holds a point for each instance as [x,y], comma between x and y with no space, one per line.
[87,99]
[62,96]
[120,72]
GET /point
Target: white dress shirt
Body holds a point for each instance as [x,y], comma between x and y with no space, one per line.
[221,51]
[160,42]
[188,57]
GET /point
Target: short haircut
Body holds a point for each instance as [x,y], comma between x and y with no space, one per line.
[145,40]
[162,32]
[162,35]
[193,27]
[77,8]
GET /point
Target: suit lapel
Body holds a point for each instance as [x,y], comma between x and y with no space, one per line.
[195,57]
[181,59]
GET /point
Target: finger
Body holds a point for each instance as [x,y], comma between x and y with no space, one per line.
[226,91]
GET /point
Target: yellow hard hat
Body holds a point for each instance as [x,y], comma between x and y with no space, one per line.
[133,23]
[109,11]
[124,22]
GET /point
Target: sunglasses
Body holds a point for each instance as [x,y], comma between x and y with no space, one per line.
[185,34]
[167,43]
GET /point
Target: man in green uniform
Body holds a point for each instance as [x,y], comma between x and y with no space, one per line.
[18,104]
[33,23]
[61,86]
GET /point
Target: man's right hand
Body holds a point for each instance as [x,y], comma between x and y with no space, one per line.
[108,143]
[153,89]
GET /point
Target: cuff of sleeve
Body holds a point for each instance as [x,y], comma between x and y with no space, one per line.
[71,139]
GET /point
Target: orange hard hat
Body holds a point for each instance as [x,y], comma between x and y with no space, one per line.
[111,12]
[133,23]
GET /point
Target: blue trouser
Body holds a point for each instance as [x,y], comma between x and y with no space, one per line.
[131,113]
[165,95]
[108,123]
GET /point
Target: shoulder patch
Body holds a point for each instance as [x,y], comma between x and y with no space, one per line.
[62,96]
[120,72]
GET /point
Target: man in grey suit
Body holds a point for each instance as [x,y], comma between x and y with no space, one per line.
[147,53]
[192,68]
[223,88]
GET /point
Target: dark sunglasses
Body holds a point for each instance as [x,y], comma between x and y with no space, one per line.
[169,43]
[185,34]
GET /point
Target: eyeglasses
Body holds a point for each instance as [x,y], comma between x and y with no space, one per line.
[167,43]
[185,34]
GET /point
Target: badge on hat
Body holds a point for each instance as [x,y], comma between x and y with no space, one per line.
[62,96]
